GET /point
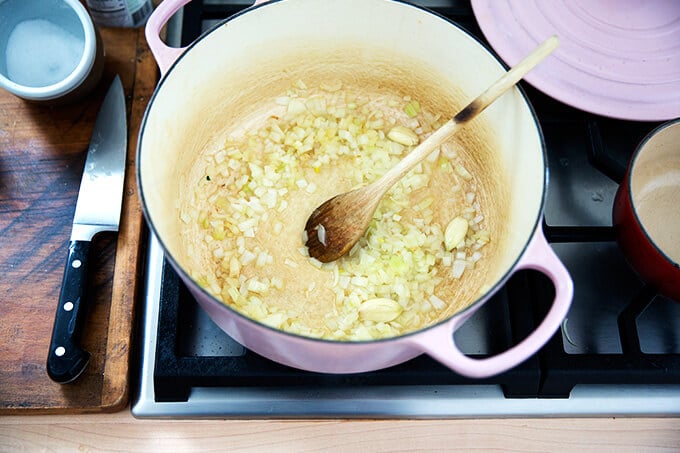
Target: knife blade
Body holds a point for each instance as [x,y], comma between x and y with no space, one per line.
[98,209]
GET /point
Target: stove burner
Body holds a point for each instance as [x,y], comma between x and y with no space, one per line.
[618,351]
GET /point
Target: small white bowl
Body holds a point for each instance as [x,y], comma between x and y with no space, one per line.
[50,50]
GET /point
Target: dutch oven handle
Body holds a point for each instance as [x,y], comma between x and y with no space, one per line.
[440,343]
[165,55]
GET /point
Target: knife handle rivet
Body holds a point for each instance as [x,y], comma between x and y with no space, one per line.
[68,306]
[76,264]
[60,351]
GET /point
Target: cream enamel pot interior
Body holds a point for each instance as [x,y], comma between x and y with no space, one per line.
[254,55]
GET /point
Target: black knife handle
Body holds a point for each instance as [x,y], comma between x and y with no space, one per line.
[66,359]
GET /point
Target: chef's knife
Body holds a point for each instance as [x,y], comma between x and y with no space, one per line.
[97,209]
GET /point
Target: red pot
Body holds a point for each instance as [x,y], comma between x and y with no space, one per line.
[646,211]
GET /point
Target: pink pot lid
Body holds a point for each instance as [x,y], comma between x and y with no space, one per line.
[617,58]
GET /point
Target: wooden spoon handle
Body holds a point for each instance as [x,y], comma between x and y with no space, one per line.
[474,108]
[508,80]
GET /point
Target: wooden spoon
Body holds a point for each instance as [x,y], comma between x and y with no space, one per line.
[337,224]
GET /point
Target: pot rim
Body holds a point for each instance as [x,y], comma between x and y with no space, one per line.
[628,181]
[406,336]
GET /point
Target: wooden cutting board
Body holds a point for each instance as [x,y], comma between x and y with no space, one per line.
[42,153]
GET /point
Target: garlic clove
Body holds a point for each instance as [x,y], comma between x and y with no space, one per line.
[403,135]
[455,233]
[379,310]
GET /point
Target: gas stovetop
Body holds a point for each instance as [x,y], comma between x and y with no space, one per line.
[617,353]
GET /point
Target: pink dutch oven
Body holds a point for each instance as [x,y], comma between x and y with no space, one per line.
[202,85]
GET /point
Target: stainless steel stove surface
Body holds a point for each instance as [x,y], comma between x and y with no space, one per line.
[618,351]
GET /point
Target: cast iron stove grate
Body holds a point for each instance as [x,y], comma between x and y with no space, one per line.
[618,332]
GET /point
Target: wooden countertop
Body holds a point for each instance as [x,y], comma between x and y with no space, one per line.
[121,432]
[41,153]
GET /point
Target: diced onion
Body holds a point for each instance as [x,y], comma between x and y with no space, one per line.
[386,284]
[321,233]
